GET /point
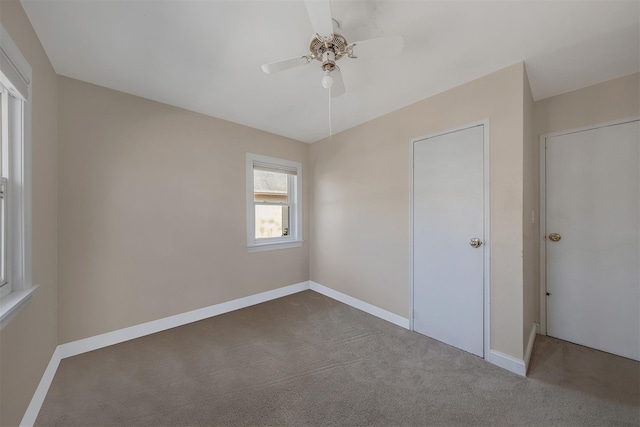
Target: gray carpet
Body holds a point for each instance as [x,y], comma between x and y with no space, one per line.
[306,360]
[586,370]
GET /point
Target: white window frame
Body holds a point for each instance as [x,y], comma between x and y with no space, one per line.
[294,237]
[15,78]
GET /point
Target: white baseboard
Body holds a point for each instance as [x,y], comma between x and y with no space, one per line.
[497,358]
[33,409]
[104,340]
[121,335]
[532,339]
[510,363]
[96,342]
[110,338]
[360,305]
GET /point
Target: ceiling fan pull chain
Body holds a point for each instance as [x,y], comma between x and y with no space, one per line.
[330,131]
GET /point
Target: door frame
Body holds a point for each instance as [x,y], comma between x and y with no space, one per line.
[543,207]
[487,224]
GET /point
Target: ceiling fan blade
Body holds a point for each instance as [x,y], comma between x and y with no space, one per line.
[285,64]
[320,14]
[386,46]
[337,88]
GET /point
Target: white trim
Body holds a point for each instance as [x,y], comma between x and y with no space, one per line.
[507,362]
[487,238]
[543,208]
[592,127]
[14,303]
[104,340]
[360,305]
[17,66]
[271,246]
[110,338]
[487,225]
[411,225]
[31,414]
[542,220]
[100,341]
[121,335]
[75,348]
[532,340]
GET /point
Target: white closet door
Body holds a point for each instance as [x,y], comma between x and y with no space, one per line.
[448,211]
[593,205]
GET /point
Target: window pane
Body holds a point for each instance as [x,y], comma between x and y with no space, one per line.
[4,149]
[270,187]
[272,221]
[4,143]
[3,232]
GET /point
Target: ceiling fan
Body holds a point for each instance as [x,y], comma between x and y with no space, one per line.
[328,46]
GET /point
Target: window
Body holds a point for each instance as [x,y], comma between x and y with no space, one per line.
[274,203]
[15,180]
[4,148]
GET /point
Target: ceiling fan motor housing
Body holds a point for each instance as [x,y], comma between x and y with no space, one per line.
[335,44]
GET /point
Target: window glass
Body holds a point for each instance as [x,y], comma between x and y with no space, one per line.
[272,221]
[271,198]
[270,186]
[3,194]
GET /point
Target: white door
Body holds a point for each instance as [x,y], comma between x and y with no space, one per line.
[593,207]
[448,211]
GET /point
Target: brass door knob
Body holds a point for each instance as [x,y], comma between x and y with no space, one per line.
[475,242]
[555,237]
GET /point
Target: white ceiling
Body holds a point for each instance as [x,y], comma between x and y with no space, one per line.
[205,56]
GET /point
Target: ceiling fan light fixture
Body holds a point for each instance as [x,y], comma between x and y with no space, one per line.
[328,46]
[327,80]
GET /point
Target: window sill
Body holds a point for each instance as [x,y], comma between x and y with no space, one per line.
[273,246]
[13,304]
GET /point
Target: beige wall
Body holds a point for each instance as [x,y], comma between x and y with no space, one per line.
[530,213]
[27,343]
[152,211]
[604,102]
[360,198]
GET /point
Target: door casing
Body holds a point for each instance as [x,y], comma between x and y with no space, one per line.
[487,222]
[543,209]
